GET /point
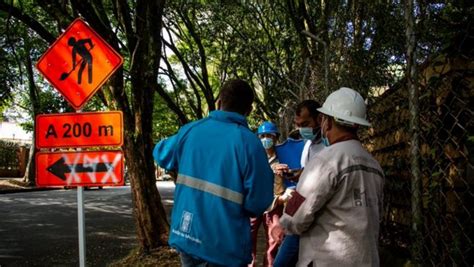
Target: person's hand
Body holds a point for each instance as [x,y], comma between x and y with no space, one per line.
[296,176]
[291,174]
[280,168]
[286,195]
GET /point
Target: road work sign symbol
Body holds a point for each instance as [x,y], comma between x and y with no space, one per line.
[79,129]
[84,168]
[78,63]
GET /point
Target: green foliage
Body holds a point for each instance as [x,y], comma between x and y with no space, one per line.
[8,155]
[164,122]
[288,51]
[361,45]
[358,45]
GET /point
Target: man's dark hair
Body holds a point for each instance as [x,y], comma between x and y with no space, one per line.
[236,96]
[311,105]
[350,129]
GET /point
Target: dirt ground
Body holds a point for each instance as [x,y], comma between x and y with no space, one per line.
[12,184]
[161,257]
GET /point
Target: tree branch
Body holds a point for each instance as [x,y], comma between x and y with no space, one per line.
[32,23]
[207,90]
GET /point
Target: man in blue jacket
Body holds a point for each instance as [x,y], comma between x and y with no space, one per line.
[223,180]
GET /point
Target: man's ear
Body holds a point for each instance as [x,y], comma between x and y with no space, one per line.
[329,123]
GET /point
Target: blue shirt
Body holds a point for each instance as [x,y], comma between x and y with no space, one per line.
[223,179]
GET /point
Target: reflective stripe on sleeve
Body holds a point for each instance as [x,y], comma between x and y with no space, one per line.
[210,188]
[357,168]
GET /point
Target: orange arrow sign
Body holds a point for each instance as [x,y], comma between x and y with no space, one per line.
[78,63]
[84,168]
[79,129]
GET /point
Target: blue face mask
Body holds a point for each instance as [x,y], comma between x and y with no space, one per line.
[307,133]
[267,142]
[324,139]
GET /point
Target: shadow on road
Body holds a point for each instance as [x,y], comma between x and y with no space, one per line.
[40,228]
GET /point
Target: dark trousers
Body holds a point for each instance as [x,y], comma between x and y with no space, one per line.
[288,253]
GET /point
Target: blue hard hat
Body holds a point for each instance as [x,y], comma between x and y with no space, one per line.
[268,128]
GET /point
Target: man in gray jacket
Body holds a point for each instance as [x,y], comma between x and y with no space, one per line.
[337,204]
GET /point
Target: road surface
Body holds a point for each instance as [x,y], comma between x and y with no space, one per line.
[40,228]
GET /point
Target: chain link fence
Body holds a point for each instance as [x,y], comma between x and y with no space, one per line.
[428,222]
[446,89]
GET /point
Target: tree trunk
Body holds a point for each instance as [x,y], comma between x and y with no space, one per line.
[413,104]
[29,176]
[150,215]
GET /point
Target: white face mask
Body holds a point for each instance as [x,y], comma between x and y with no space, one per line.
[267,142]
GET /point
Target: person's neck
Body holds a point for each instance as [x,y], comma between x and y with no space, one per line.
[342,136]
[231,110]
[270,152]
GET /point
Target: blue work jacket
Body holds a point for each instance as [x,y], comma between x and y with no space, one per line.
[223,179]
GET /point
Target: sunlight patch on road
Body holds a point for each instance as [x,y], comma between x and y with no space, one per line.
[114,235]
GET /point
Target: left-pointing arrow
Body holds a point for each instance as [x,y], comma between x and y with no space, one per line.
[60,168]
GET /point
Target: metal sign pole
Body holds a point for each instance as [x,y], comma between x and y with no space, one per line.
[81,225]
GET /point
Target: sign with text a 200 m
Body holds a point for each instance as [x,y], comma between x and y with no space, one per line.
[78,63]
[79,129]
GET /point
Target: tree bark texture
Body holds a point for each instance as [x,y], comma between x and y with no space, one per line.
[144,46]
[413,104]
[150,216]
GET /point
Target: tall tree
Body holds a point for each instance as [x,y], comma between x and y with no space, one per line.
[134,30]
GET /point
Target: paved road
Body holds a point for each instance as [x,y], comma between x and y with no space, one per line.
[40,228]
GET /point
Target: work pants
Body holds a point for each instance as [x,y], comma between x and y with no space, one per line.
[273,235]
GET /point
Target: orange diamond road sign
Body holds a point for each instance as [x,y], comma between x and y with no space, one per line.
[79,129]
[84,168]
[78,63]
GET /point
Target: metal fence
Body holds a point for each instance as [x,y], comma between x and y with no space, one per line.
[445,233]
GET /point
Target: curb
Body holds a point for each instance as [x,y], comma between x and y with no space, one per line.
[25,190]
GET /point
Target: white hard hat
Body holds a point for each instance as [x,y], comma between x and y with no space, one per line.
[346,106]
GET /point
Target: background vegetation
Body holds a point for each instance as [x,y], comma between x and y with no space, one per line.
[178,53]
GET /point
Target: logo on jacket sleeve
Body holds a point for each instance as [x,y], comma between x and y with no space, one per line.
[186,221]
